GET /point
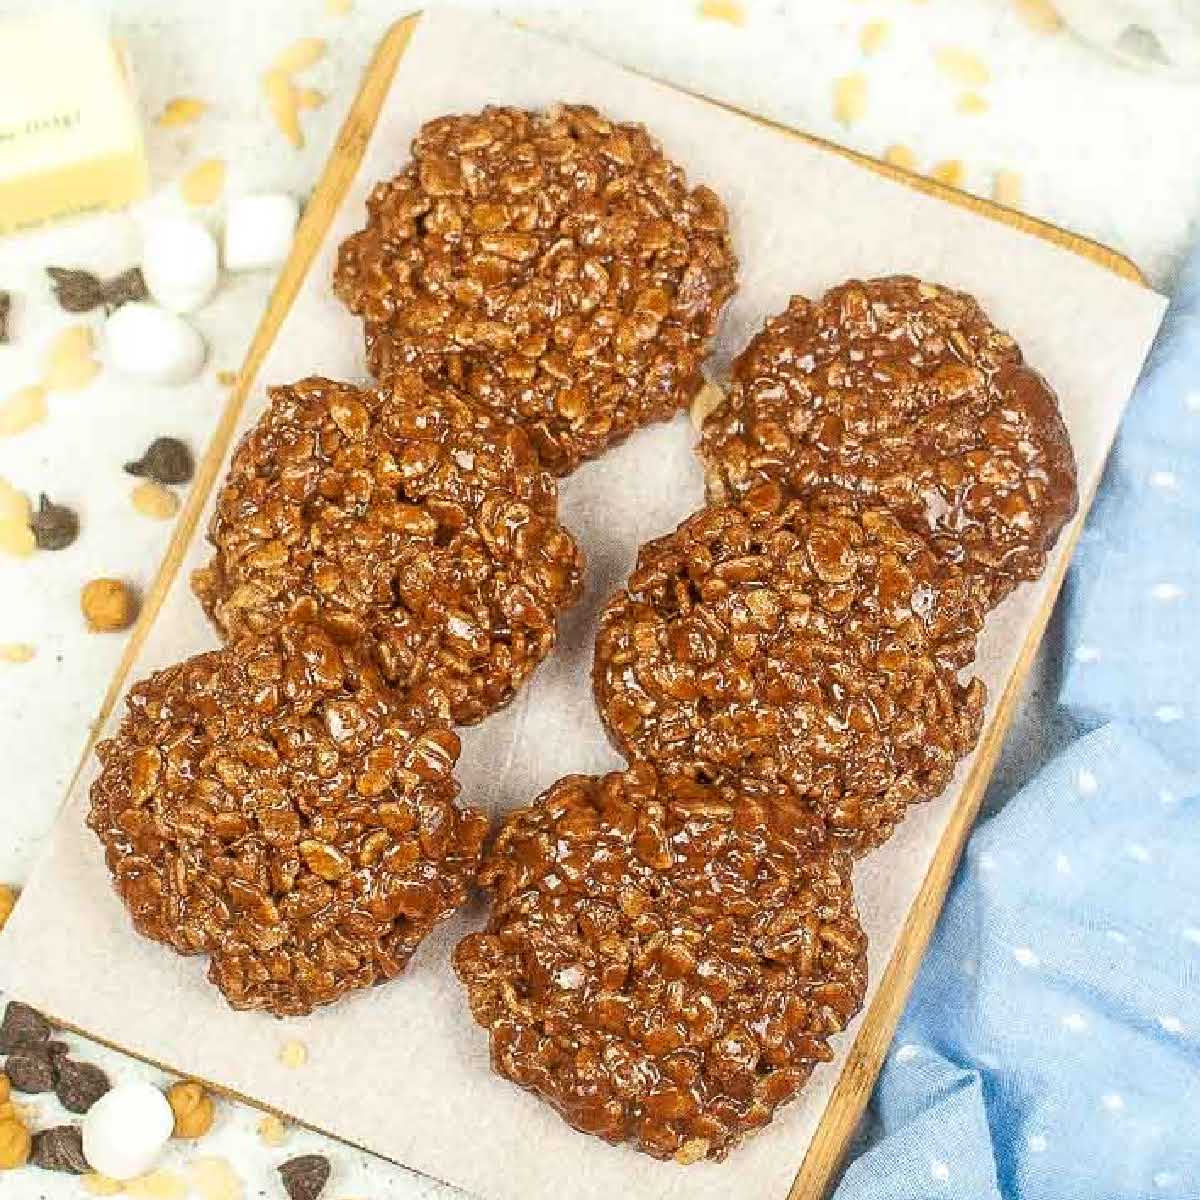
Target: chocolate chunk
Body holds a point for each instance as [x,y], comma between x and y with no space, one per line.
[22,1026]
[304,1178]
[60,1149]
[30,1071]
[79,1085]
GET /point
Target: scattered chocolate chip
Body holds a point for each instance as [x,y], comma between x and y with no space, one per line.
[166,459]
[79,1085]
[30,1071]
[54,525]
[80,291]
[56,1051]
[60,1149]
[304,1178]
[22,1027]
[5,313]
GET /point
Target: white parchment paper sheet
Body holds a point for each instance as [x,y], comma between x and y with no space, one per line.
[402,1070]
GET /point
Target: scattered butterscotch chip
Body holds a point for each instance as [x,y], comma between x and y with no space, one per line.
[214,1179]
[338,8]
[729,11]
[708,399]
[8,901]
[193,1108]
[14,652]
[182,110]
[310,97]
[204,183]
[5,1086]
[22,410]
[14,504]
[962,66]
[157,1185]
[153,500]
[950,172]
[300,55]
[285,108]
[55,526]
[850,98]
[874,36]
[304,1178]
[107,605]
[272,1131]
[227,378]
[101,1185]
[16,539]
[900,155]
[1006,188]
[293,1054]
[972,104]
[1039,15]
[15,1144]
[70,363]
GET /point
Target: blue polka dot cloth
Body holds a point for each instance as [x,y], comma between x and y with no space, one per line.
[1051,1047]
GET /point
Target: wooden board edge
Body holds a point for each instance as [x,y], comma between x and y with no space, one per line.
[854,1085]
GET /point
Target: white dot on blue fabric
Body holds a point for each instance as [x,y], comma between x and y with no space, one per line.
[907,1052]
[1166,591]
[1171,1024]
[1086,782]
[1192,401]
[987,862]
[1062,864]
[1112,1101]
[1165,1179]
[1164,479]
[1166,798]
[1115,935]
[940,1170]
[1086,654]
[1037,1143]
[1138,852]
[1025,956]
[1168,713]
[1075,1022]
[1192,934]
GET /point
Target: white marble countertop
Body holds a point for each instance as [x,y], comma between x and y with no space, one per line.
[1100,149]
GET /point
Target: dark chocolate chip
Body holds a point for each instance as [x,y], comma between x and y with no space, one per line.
[60,1149]
[76,291]
[54,525]
[22,1026]
[79,1085]
[304,1178]
[30,1071]
[166,460]
[5,313]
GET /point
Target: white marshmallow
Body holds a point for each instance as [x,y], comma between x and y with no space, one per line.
[125,1131]
[180,263]
[259,231]
[147,342]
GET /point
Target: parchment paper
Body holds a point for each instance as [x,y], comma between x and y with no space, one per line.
[403,1070]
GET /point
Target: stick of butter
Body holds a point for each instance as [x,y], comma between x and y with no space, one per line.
[70,140]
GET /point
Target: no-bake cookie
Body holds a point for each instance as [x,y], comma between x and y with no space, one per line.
[406,515]
[664,962]
[778,640]
[554,265]
[275,806]
[905,395]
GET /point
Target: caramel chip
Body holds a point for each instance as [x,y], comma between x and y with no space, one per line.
[971,104]
[1039,15]
[153,500]
[900,155]
[962,66]
[272,1131]
[14,652]
[729,11]
[293,1054]
[950,172]
[193,1108]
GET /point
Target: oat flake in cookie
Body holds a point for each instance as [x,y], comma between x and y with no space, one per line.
[554,264]
[402,514]
[905,395]
[273,805]
[778,641]
[664,963]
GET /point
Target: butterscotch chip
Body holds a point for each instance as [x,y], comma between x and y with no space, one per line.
[903,394]
[664,962]
[193,1108]
[554,265]
[404,515]
[779,642]
[15,1144]
[108,605]
[276,806]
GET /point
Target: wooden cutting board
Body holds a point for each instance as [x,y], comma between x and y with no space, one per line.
[876,1028]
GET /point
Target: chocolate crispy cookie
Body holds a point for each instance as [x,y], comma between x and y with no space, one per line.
[904,395]
[781,641]
[554,265]
[402,514]
[664,962]
[273,805]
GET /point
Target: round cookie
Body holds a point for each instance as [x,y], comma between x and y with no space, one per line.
[783,641]
[554,265]
[403,514]
[904,395]
[274,806]
[664,961]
